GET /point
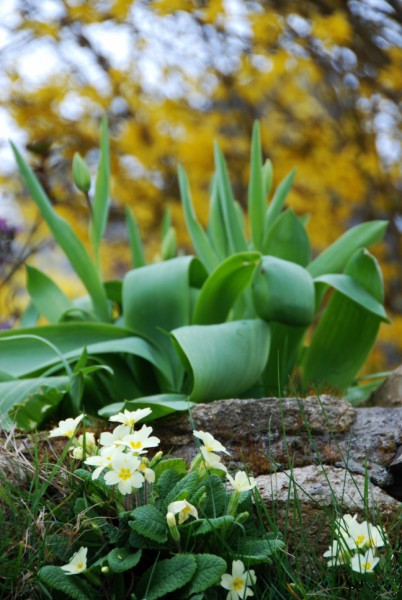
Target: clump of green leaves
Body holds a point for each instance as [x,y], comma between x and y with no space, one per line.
[154,527]
[238,319]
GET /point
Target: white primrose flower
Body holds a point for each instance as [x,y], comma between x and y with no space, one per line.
[366,535]
[123,473]
[210,443]
[148,473]
[104,459]
[78,562]
[108,438]
[237,583]
[184,509]
[339,552]
[66,428]
[131,417]
[364,563]
[139,441]
[212,460]
[242,482]
[87,439]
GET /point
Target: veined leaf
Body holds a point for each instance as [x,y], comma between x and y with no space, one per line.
[287,239]
[100,205]
[47,297]
[121,559]
[72,587]
[198,236]
[224,360]
[210,569]
[346,331]
[69,242]
[134,240]
[335,257]
[236,239]
[278,200]
[223,287]
[283,292]
[256,191]
[166,576]
[150,523]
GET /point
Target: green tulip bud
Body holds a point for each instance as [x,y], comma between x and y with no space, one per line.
[81,175]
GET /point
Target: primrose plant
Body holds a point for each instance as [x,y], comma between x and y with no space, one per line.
[238,319]
[153,526]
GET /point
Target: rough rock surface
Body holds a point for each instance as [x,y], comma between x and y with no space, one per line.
[273,435]
[389,393]
[317,489]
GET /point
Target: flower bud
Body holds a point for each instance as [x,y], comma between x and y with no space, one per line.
[105,570]
[81,175]
[171,521]
[242,517]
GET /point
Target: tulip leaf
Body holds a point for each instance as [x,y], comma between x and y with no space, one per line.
[284,292]
[279,199]
[223,287]
[287,239]
[68,241]
[46,296]
[256,192]
[161,404]
[225,359]
[100,205]
[198,236]
[134,240]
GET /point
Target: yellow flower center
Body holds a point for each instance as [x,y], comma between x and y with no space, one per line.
[185,510]
[125,474]
[238,584]
[136,445]
[360,539]
[80,566]
[70,433]
[366,566]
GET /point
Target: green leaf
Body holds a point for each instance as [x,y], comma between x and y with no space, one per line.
[198,236]
[161,404]
[286,347]
[177,465]
[346,331]
[165,483]
[47,297]
[216,497]
[68,241]
[256,190]
[278,199]
[121,559]
[287,239]
[156,299]
[72,587]
[100,205]
[166,576]
[224,360]
[235,236]
[210,569]
[169,244]
[216,226]
[223,287]
[267,176]
[205,526]
[19,393]
[349,287]
[29,413]
[134,240]
[253,551]
[283,292]
[335,257]
[187,484]
[150,523]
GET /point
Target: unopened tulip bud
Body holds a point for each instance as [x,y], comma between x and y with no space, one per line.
[81,175]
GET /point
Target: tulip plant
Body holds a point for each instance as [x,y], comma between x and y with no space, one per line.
[239,318]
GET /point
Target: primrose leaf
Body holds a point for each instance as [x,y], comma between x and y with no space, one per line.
[174,464]
[210,569]
[205,526]
[150,523]
[121,559]
[71,586]
[166,576]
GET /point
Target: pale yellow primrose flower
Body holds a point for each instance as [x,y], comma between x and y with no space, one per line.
[139,441]
[130,418]
[366,535]
[339,552]
[238,581]
[104,459]
[123,472]
[210,443]
[242,482]
[364,564]
[90,446]
[78,563]
[212,460]
[184,509]
[148,473]
[66,428]
[118,433]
